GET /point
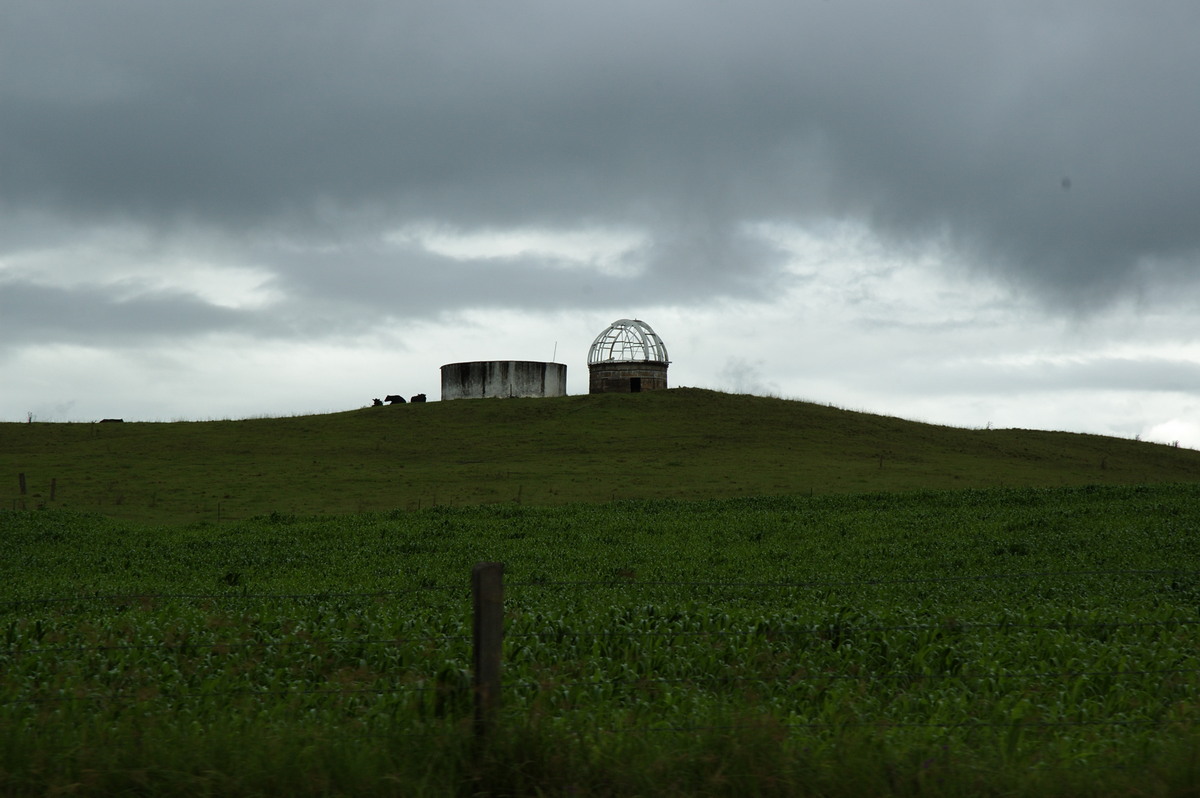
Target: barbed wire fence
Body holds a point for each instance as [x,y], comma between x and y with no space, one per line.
[482,690]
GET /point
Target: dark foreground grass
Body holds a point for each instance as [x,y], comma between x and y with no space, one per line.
[995,643]
[527,758]
[683,443]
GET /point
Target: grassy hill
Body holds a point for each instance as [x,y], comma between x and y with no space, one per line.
[683,443]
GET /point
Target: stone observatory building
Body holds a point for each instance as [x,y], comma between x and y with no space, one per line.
[628,357]
[505,379]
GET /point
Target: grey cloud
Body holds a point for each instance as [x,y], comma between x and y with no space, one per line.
[945,123]
[33,314]
[346,290]
[740,375]
[399,281]
[1153,375]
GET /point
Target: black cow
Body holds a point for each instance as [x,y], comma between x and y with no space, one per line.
[394,400]
[418,398]
[376,403]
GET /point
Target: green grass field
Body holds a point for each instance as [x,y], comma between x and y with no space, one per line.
[682,443]
[1034,633]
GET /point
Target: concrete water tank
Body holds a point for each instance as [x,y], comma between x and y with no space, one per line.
[485,379]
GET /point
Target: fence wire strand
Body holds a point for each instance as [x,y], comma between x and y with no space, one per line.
[609,583]
[806,676]
[625,583]
[888,724]
[241,644]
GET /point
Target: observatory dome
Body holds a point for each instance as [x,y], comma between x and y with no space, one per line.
[628,357]
[628,341]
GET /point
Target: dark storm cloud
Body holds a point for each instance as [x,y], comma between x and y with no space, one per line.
[32,314]
[400,280]
[1050,143]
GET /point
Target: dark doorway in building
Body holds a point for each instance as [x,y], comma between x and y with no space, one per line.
[635,384]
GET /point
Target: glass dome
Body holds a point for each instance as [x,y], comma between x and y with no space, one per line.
[628,341]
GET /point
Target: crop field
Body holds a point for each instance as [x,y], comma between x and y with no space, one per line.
[987,642]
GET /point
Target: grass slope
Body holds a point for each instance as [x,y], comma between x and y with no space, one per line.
[683,443]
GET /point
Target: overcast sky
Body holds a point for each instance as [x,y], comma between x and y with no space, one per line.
[957,212]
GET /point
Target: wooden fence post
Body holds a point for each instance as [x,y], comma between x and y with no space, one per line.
[53,487]
[21,479]
[487,587]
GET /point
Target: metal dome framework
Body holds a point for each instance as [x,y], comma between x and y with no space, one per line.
[628,341]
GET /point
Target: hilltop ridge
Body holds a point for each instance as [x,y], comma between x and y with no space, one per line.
[681,443]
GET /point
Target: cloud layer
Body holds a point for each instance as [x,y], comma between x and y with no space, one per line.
[304,173]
